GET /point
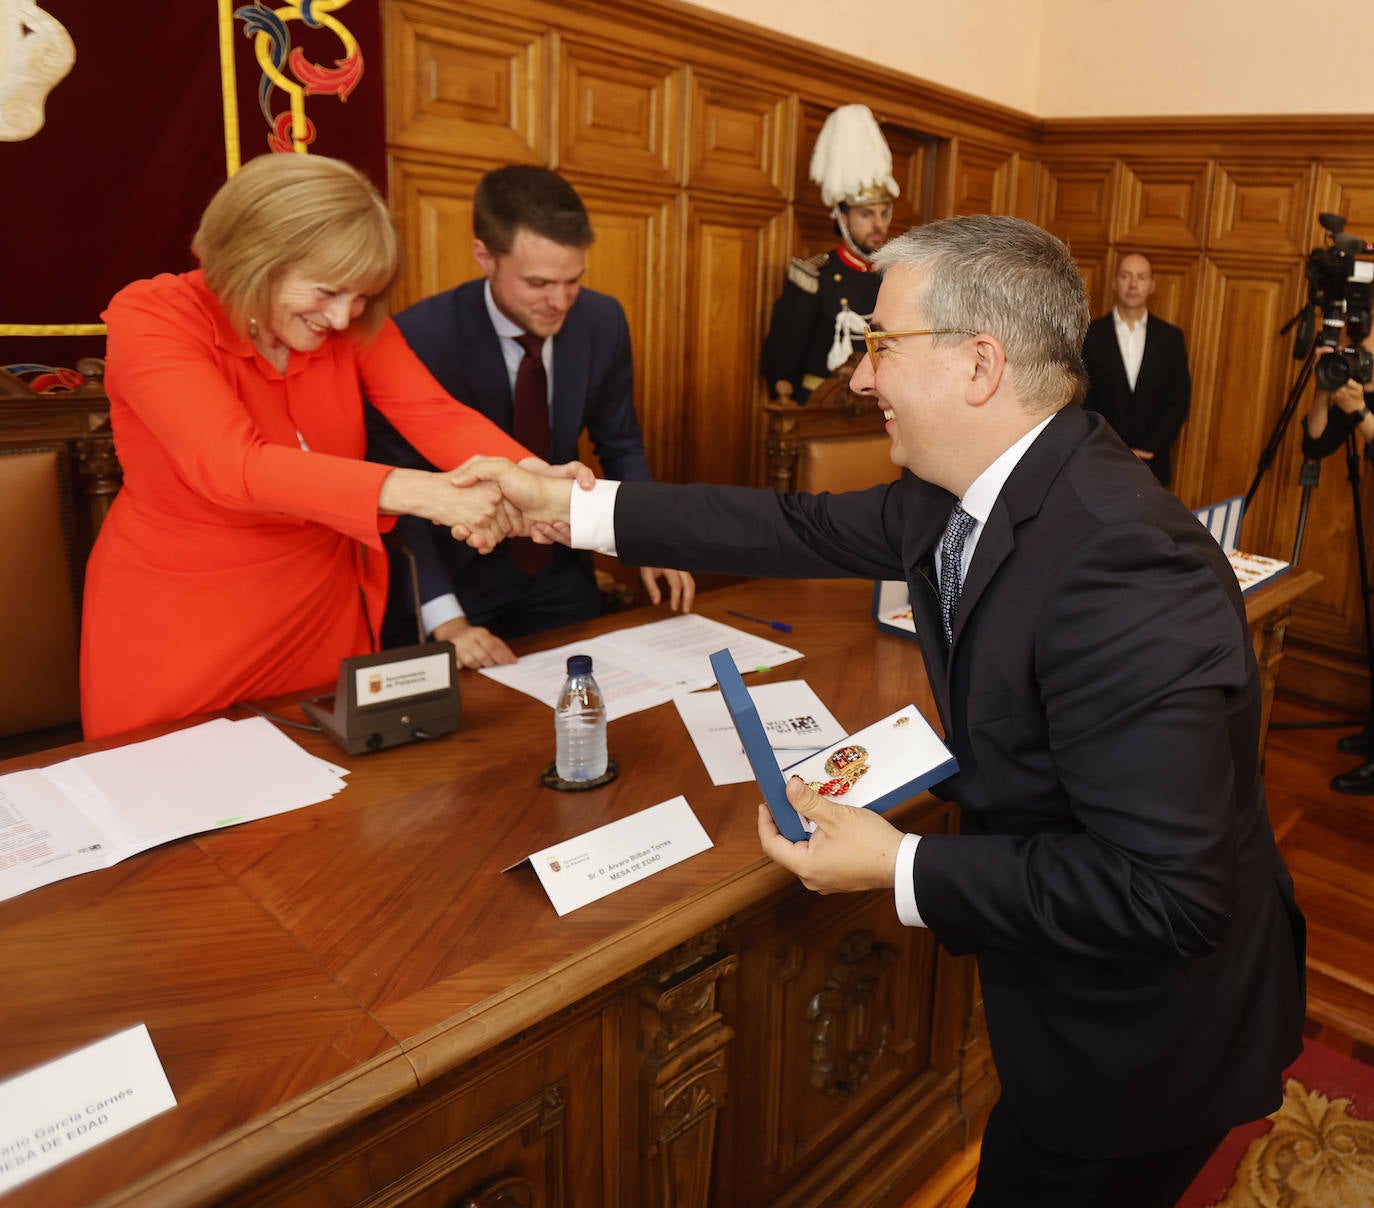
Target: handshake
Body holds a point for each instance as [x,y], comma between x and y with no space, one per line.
[490,498]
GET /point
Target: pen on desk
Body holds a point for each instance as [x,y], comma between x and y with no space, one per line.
[780,625]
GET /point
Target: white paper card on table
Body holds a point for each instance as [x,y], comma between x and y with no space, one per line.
[1254,569]
[95,810]
[645,665]
[58,1110]
[591,866]
[793,716]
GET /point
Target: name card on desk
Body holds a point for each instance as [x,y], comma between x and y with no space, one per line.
[593,865]
[52,1113]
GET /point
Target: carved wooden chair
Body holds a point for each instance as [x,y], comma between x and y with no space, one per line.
[835,441]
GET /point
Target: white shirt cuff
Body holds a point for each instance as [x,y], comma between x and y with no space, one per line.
[904,882]
[435,612]
[591,516]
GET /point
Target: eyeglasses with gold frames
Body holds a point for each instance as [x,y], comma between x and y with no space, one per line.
[873,338]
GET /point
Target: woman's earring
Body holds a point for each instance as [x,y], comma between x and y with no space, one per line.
[252,329]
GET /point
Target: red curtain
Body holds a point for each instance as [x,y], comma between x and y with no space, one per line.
[133,146]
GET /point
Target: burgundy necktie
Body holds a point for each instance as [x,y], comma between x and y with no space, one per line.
[531,400]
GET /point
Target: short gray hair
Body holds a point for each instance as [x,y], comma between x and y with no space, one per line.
[1013,280]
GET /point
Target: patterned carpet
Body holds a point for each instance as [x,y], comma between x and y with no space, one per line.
[1316,1151]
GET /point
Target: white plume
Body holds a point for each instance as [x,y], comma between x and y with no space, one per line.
[851,155]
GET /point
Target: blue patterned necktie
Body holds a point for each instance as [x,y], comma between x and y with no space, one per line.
[951,566]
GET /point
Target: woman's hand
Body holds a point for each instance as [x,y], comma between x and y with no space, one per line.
[476,513]
[537,499]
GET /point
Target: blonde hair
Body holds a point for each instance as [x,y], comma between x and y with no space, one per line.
[319,216]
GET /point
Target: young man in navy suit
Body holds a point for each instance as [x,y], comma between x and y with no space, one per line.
[532,234]
[1138,370]
[1116,875]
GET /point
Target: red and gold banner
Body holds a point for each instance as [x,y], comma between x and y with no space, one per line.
[161,102]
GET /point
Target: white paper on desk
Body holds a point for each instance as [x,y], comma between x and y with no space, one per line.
[628,684]
[94,810]
[44,837]
[645,665]
[201,778]
[685,644]
[55,1111]
[597,863]
[796,721]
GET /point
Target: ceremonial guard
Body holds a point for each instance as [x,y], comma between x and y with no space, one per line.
[827,298]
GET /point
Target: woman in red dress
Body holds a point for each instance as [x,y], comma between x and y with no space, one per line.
[243,556]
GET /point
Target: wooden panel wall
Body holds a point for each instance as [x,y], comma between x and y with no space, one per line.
[689,136]
[1227,210]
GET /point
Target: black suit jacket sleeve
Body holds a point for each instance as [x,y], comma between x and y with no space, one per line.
[1173,390]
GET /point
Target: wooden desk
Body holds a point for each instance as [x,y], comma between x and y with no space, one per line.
[354,1004]
[1268,609]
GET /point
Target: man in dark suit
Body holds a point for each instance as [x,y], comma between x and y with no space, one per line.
[1138,370]
[1116,876]
[532,234]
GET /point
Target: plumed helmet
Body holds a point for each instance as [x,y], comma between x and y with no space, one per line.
[852,162]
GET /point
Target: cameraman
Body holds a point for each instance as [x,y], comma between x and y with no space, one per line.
[1324,433]
[1334,416]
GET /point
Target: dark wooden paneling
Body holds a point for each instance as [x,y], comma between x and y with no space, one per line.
[1260,208]
[619,112]
[740,138]
[1162,203]
[724,328]
[456,78]
[1076,199]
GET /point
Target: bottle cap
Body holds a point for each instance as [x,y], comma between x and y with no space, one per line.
[580,664]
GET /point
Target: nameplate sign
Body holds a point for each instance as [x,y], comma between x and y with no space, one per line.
[596,864]
[56,1111]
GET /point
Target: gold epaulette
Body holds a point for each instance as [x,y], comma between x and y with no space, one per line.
[806,274]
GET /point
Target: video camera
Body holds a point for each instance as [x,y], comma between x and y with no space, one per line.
[1339,286]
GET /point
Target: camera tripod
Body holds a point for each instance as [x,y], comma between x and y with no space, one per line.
[1361,779]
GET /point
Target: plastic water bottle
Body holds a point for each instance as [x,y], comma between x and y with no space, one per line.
[580,724]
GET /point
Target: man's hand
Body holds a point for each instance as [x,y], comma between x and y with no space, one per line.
[579,473]
[475,647]
[851,849]
[539,500]
[682,588]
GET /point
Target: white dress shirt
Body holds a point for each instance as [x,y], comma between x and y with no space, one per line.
[1131,341]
